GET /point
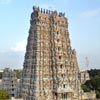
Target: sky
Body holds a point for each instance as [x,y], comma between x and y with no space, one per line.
[84,28]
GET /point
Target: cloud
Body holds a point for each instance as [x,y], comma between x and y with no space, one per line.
[91,13]
[20,46]
[5,1]
[11,59]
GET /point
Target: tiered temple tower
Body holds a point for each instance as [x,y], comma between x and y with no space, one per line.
[50,67]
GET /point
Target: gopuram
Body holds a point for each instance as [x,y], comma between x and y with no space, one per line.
[50,69]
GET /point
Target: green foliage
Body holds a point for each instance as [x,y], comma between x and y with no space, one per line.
[18,73]
[98,88]
[89,84]
[3,95]
[98,95]
[93,83]
[85,88]
[94,72]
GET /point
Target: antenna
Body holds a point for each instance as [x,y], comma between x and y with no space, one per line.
[87,62]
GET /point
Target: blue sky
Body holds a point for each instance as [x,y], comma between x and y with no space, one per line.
[84,28]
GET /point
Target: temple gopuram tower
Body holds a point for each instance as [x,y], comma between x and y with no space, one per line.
[50,70]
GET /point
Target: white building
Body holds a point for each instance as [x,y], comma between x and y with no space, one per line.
[9,81]
[84,76]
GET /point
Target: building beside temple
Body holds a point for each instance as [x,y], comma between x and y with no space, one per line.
[84,76]
[50,70]
[9,81]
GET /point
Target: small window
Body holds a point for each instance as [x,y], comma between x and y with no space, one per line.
[64,96]
[55,94]
[59,57]
[58,40]
[12,95]
[55,23]
[12,89]
[62,75]
[59,48]
[61,66]
[64,86]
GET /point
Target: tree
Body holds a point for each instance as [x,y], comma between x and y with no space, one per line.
[98,88]
[18,73]
[85,88]
[93,83]
[98,95]
[3,95]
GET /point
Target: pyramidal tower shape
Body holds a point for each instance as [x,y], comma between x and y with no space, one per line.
[50,70]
